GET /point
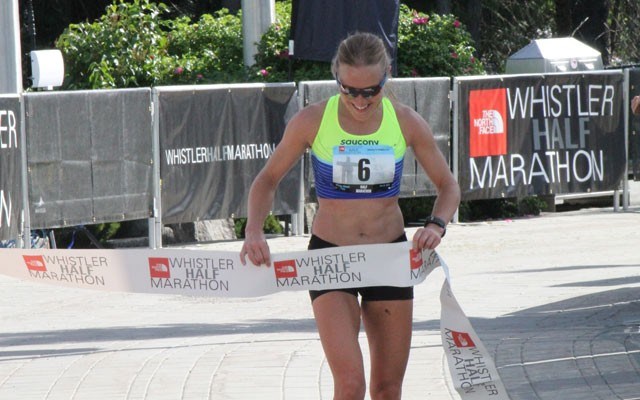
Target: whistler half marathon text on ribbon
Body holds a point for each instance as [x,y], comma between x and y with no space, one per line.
[221,274]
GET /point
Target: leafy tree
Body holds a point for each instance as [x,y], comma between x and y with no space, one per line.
[509,25]
[624,29]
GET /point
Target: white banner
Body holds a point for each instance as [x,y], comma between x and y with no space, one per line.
[221,274]
[473,372]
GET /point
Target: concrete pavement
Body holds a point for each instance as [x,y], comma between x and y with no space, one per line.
[556,298]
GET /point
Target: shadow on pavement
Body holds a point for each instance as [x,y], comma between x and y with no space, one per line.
[586,347]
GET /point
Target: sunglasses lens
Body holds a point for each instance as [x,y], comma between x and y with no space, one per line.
[366,93]
[370,92]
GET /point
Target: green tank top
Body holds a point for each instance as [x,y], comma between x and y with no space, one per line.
[348,166]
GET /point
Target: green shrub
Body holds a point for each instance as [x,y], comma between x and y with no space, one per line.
[487,209]
[436,45]
[531,205]
[415,209]
[477,210]
[271,225]
[124,48]
[207,51]
[134,44]
[78,236]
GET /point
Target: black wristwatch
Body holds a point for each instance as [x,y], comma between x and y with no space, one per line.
[436,221]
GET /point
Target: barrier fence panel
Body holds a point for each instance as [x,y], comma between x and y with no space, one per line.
[428,96]
[634,126]
[404,90]
[213,142]
[10,167]
[89,156]
[434,104]
[525,135]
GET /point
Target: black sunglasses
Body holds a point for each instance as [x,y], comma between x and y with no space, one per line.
[366,93]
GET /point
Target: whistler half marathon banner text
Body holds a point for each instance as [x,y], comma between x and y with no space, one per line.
[220,273]
[541,134]
[213,142]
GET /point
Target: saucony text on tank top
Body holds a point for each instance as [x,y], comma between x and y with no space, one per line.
[348,166]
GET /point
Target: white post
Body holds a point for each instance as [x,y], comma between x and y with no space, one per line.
[11,83]
[10,59]
[257,16]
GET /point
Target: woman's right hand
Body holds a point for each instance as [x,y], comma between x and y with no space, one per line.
[255,248]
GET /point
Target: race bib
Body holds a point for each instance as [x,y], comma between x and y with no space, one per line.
[363,169]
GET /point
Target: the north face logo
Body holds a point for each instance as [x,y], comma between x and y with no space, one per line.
[462,339]
[285,269]
[159,267]
[35,263]
[415,258]
[487,116]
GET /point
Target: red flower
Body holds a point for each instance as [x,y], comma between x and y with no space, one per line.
[264,73]
[420,20]
[456,24]
[454,54]
[178,71]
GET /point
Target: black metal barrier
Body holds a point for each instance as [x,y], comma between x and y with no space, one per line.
[213,141]
[89,156]
[540,134]
[10,167]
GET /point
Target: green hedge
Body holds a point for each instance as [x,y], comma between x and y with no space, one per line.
[136,44]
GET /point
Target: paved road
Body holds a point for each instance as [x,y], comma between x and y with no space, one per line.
[556,298]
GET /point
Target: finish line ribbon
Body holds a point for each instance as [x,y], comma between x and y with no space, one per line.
[221,274]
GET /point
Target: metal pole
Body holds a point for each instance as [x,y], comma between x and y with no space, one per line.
[257,16]
[453,101]
[11,59]
[155,222]
[625,179]
[301,93]
[26,216]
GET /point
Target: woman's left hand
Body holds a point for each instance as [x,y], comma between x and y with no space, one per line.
[428,237]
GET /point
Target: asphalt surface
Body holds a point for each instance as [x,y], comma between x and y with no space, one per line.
[555,298]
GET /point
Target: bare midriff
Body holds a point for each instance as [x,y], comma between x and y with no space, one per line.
[347,222]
